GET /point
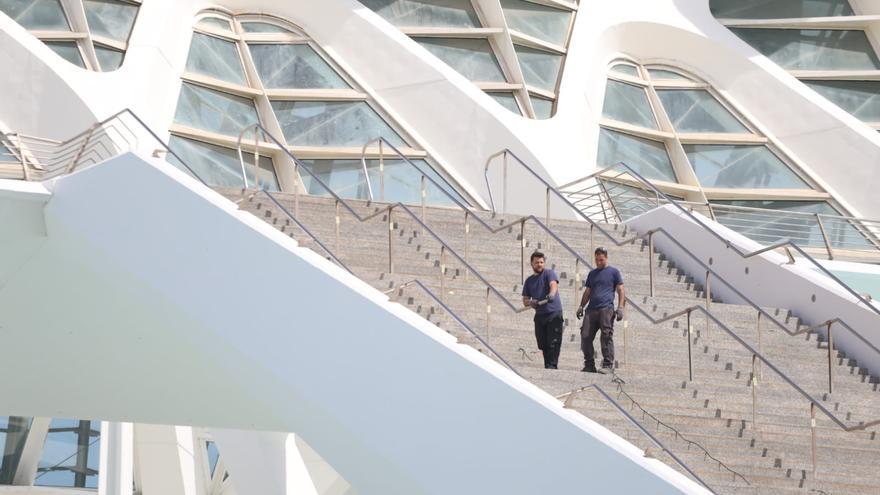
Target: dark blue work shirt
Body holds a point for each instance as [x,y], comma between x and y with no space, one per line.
[602,283]
[537,287]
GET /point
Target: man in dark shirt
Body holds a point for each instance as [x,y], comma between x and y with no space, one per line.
[541,292]
[599,288]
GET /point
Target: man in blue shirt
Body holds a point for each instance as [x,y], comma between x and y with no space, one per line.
[599,288]
[541,292]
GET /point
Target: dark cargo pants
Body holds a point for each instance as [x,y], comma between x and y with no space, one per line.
[548,333]
[598,320]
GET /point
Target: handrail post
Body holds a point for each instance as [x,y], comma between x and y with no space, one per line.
[391,240]
[82,149]
[257,157]
[650,261]
[592,227]
[577,277]
[424,197]
[760,344]
[547,206]
[754,392]
[381,170]
[296,187]
[813,435]
[504,193]
[625,327]
[522,249]
[825,237]
[338,220]
[690,356]
[708,300]
[442,273]
[24,168]
[830,353]
[488,312]
[467,242]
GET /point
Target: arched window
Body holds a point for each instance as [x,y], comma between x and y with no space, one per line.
[92,34]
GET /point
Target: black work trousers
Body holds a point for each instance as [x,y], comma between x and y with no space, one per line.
[548,333]
[598,320]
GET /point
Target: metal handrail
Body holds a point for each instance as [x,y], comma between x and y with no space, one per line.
[506,363]
[569,398]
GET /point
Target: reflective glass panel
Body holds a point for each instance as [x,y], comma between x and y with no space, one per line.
[540,68]
[793,220]
[813,49]
[543,107]
[860,98]
[507,100]
[778,9]
[662,74]
[109,58]
[648,158]
[695,110]
[737,166]
[70,455]
[6,156]
[426,13]
[13,431]
[628,103]
[39,15]
[626,69]
[110,19]
[402,181]
[68,51]
[262,27]
[331,123]
[215,58]
[628,201]
[472,58]
[539,21]
[214,111]
[215,23]
[213,457]
[219,166]
[293,66]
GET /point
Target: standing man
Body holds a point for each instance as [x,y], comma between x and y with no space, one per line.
[541,292]
[599,288]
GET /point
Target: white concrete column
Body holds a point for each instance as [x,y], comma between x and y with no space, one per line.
[116,471]
[166,460]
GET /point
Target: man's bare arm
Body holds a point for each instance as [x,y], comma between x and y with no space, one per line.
[586,297]
[621,297]
[554,288]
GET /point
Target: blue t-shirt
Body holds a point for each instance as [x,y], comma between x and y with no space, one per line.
[602,283]
[537,287]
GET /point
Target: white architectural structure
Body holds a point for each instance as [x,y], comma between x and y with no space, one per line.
[726,103]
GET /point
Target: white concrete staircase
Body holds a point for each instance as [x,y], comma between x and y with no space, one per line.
[707,422]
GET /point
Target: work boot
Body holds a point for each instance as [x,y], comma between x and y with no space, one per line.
[590,368]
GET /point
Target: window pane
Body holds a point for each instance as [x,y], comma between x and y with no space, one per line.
[213,457]
[793,220]
[215,58]
[219,166]
[68,51]
[666,74]
[540,21]
[263,27]
[628,103]
[108,58]
[331,123]
[36,14]
[540,68]
[695,110]
[813,49]
[70,455]
[402,181]
[214,111]
[741,167]
[543,107]
[216,23]
[779,9]
[426,13]
[6,156]
[110,19]
[648,158]
[13,431]
[860,98]
[508,101]
[626,69]
[472,58]
[293,66]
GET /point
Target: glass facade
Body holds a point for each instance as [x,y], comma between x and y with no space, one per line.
[109,23]
[456,33]
[248,70]
[70,455]
[13,432]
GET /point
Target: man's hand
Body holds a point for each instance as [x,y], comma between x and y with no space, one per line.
[580,313]
[618,314]
[533,303]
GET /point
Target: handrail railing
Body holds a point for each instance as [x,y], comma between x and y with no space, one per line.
[506,363]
